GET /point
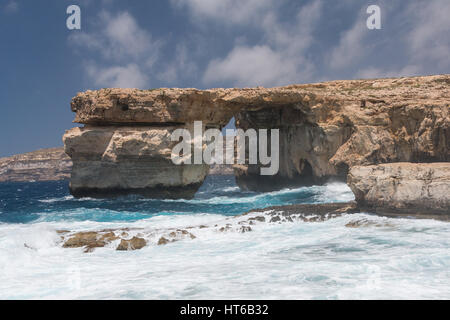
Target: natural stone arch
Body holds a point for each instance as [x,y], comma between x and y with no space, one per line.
[332,126]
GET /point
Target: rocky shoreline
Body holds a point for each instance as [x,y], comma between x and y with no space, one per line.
[388,138]
[126,239]
[402,188]
[136,238]
[332,130]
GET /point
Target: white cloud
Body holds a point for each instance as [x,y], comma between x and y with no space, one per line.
[251,66]
[119,37]
[127,50]
[429,39]
[351,48]
[279,61]
[418,32]
[226,11]
[129,76]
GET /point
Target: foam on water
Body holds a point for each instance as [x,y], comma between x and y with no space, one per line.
[383,258]
[404,258]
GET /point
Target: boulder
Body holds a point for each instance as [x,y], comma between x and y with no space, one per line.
[422,188]
[133,244]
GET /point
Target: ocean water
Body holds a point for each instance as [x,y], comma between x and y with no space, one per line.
[385,258]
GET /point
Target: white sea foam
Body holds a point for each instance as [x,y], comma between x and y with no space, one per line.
[67,198]
[336,191]
[388,258]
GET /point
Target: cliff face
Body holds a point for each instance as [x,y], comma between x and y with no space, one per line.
[402,187]
[325,129]
[42,165]
[340,124]
[109,161]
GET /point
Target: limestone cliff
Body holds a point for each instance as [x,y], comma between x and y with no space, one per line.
[402,187]
[42,165]
[111,161]
[325,129]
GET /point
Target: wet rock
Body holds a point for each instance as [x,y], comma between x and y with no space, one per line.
[88,240]
[224,229]
[308,209]
[162,241]
[367,223]
[134,243]
[258,218]
[275,219]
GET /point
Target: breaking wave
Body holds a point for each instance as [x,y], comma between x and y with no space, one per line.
[354,256]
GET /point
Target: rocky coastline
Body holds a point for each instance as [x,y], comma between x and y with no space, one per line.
[389,139]
[402,188]
[327,130]
[42,165]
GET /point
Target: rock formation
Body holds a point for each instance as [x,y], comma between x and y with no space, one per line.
[41,165]
[111,161]
[325,129]
[402,187]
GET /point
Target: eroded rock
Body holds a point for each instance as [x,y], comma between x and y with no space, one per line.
[89,240]
[325,129]
[41,165]
[402,187]
[134,243]
[112,161]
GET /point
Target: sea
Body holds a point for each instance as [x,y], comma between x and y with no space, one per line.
[382,258]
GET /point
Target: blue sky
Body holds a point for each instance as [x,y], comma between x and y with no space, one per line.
[198,43]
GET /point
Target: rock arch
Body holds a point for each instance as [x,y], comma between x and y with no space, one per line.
[325,129]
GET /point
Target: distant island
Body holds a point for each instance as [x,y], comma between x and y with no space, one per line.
[53,164]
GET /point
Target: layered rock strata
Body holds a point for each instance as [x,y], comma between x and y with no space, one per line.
[41,165]
[110,161]
[325,129]
[402,187]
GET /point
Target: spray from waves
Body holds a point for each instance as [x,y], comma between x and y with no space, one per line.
[385,259]
[217,196]
[331,192]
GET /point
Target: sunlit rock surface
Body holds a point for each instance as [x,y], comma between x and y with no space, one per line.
[41,165]
[325,129]
[402,187]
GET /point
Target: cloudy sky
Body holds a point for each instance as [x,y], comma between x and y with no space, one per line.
[202,44]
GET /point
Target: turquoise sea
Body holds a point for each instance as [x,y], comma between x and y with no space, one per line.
[385,258]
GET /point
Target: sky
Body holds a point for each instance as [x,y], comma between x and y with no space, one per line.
[201,44]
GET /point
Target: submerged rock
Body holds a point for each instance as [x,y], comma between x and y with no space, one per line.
[411,188]
[367,223]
